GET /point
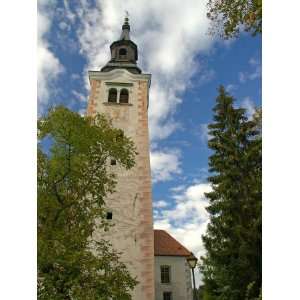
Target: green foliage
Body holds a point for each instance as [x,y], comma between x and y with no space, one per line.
[249,291]
[73,181]
[229,16]
[200,293]
[203,295]
[233,237]
[207,296]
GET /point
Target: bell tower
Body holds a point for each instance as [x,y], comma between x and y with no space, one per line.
[121,91]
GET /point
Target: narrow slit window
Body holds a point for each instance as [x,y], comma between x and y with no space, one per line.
[109,215]
[112,95]
[124,96]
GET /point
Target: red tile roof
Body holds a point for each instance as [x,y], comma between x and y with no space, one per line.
[166,245]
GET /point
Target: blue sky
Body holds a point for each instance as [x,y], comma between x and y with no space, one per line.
[187,66]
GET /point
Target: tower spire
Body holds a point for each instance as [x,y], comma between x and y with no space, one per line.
[125,28]
[124,52]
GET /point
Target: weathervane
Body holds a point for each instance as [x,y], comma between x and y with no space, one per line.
[126,14]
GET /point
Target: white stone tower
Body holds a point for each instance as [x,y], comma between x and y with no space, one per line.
[121,91]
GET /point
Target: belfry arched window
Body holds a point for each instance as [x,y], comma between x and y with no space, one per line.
[124,96]
[122,53]
[112,95]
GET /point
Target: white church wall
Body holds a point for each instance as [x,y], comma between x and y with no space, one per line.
[180,278]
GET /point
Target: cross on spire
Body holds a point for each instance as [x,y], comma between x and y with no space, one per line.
[126,21]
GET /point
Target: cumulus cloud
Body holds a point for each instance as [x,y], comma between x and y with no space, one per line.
[164,165]
[190,204]
[187,220]
[169,36]
[49,66]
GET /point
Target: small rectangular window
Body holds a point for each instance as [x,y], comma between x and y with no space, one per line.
[165,274]
[167,296]
[113,162]
[109,215]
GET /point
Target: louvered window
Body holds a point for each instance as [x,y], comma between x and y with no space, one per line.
[122,53]
[124,96]
[112,95]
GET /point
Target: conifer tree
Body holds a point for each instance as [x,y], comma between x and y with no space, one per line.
[232,264]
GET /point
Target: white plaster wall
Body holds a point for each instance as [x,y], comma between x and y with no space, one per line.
[180,285]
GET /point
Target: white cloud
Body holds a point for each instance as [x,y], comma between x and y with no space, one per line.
[207,76]
[81,97]
[75,76]
[64,26]
[177,189]
[254,73]
[49,66]
[187,220]
[164,164]
[71,16]
[231,87]
[249,105]
[204,133]
[191,202]
[160,204]
[169,36]
[242,77]
[253,61]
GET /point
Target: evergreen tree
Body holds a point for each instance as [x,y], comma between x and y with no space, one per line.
[232,264]
[73,181]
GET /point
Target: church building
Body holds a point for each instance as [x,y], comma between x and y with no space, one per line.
[121,91]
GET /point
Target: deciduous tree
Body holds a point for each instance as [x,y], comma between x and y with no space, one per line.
[73,182]
[229,16]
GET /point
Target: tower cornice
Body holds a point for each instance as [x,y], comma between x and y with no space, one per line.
[115,73]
